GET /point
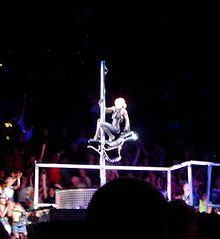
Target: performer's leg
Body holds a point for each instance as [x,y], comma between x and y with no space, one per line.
[110,130]
[111,136]
[130,136]
[97,133]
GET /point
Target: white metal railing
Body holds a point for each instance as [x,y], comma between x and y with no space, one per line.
[169,170]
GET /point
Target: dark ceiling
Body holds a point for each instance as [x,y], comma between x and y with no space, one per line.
[159,54]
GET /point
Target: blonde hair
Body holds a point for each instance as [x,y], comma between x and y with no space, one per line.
[120,103]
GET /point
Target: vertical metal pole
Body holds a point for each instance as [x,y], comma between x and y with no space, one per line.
[102,119]
[169,192]
[36,185]
[209,186]
[190,181]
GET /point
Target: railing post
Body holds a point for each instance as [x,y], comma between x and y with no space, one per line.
[36,185]
[208,185]
[169,189]
[190,181]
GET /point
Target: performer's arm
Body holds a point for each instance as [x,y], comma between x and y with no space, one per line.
[109,109]
[127,121]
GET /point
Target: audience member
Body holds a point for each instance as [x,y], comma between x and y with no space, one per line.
[19,221]
[208,225]
[3,232]
[183,220]
[81,180]
[10,184]
[6,207]
[158,155]
[129,206]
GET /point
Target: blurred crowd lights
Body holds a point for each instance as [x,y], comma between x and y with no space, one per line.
[8,124]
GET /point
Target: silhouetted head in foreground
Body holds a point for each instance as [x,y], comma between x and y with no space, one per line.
[183,220]
[129,206]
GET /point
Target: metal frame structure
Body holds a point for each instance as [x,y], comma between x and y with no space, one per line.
[103,167]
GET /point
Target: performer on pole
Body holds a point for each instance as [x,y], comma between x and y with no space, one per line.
[120,121]
[118,131]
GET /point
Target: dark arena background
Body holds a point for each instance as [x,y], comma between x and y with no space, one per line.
[161,56]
